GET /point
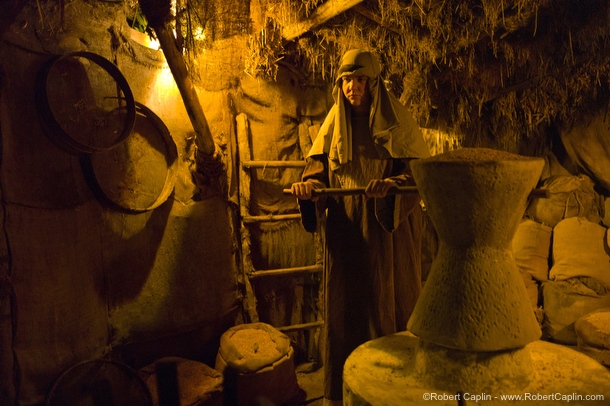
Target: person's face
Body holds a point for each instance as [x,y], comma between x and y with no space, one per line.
[356,91]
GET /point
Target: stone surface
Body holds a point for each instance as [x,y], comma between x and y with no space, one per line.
[474,298]
[383,372]
[456,370]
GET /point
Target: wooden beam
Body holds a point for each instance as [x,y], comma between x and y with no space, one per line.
[270,217]
[246,266]
[273,164]
[286,271]
[158,14]
[299,327]
[368,14]
[322,14]
[173,56]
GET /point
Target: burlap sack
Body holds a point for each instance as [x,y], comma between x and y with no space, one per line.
[594,329]
[565,302]
[579,249]
[257,362]
[593,332]
[532,248]
[569,196]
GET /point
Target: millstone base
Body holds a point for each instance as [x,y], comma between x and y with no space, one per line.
[386,371]
[457,371]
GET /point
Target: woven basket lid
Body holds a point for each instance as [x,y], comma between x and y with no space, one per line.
[138,175]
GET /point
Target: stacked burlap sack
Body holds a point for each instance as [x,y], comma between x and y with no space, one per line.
[593,332]
[561,249]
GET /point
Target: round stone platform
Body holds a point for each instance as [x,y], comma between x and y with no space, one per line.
[383,372]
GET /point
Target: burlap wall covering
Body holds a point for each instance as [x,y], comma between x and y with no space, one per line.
[282,118]
[88,280]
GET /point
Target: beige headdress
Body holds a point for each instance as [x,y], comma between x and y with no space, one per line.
[394,131]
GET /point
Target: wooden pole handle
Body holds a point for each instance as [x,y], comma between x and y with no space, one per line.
[399,190]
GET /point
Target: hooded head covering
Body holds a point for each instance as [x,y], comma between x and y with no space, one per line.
[394,131]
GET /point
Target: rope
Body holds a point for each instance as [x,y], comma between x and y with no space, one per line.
[210,171]
[209,166]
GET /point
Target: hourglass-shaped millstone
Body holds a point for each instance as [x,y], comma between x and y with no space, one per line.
[474,298]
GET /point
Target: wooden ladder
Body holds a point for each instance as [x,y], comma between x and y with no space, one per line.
[248,271]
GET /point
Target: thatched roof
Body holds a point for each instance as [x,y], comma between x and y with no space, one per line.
[490,71]
[493,72]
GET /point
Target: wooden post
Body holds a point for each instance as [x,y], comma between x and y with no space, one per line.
[322,14]
[243,141]
[158,14]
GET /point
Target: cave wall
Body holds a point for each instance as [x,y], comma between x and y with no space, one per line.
[79,280]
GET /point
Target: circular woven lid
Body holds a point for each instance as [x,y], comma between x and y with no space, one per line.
[99,383]
[139,174]
[84,102]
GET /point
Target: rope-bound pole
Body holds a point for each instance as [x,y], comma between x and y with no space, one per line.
[159,16]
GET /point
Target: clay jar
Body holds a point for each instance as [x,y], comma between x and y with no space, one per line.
[474,298]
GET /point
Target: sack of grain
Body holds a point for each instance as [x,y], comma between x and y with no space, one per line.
[565,302]
[569,196]
[257,362]
[579,249]
[593,331]
[532,247]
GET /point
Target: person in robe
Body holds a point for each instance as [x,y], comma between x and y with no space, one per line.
[373,240]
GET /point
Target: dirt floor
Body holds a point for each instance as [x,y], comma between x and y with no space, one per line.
[311,380]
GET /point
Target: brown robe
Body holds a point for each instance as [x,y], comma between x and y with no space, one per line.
[373,252]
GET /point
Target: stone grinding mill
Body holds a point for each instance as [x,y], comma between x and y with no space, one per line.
[473,337]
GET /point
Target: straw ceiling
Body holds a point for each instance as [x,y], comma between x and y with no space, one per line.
[493,72]
[497,72]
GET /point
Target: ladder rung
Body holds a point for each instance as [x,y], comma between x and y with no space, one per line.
[299,327]
[273,164]
[285,271]
[271,217]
